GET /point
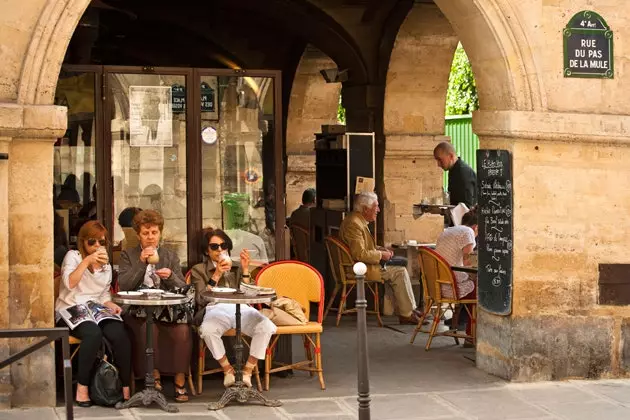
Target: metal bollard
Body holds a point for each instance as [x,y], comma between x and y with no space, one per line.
[362,347]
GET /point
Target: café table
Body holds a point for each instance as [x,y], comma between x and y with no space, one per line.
[149,394]
[239,391]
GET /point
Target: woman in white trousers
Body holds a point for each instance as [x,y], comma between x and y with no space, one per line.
[220,317]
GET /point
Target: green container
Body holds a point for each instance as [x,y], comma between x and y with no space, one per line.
[236,211]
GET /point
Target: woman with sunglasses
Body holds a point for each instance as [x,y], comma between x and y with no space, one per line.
[216,319]
[151,265]
[87,275]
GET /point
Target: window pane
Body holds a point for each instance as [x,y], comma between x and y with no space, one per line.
[237,169]
[149,153]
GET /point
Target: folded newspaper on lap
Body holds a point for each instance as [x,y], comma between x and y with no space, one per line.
[246,287]
[90,311]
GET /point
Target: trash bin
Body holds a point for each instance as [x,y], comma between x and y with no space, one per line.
[236,211]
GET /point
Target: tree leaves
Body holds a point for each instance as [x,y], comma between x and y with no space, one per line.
[461,96]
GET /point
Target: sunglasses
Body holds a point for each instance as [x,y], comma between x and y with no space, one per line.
[215,247]
[92,242]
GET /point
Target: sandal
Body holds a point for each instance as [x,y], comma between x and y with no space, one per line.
[158,384]
[181,395]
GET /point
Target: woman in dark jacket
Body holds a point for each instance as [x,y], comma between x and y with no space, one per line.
[150,265]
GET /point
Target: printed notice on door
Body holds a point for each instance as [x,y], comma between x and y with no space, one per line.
[150,116]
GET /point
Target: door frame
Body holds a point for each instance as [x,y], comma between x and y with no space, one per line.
[103,143]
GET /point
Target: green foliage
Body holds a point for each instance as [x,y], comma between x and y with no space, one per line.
[341,113]
[461,97]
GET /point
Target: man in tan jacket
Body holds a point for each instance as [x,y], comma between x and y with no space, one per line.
[355,233]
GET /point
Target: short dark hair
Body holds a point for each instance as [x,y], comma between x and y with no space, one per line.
[125,218]
[445,148]
[308,196]
[470,218]
[207,234]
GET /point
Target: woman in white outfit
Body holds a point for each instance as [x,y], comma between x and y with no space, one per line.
[216,271]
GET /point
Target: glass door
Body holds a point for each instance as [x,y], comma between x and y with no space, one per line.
[147,126]
[242,176]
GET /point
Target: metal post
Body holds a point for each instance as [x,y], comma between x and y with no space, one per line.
[362,347]
[67,375]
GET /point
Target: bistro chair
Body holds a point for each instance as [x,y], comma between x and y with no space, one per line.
[435,273]
[341,264]
[72,340]
[201,361]
[300,242]
[304,284]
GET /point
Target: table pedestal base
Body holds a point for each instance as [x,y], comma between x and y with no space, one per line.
[146,397]
[241,393]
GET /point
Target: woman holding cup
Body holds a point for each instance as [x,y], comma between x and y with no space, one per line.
[150,265]
[87,275]
[217,318]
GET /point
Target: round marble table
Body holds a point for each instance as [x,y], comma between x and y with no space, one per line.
[239,392]
[149,394]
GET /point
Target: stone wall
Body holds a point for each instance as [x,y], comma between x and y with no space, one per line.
[415,99]
[313,104]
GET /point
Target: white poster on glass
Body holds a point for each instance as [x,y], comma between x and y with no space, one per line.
[150,116]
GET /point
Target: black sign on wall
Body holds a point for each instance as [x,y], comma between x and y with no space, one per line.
[495,233]
[179,99]
[588,47]
[208,103]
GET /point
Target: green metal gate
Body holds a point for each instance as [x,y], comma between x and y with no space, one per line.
[466,143]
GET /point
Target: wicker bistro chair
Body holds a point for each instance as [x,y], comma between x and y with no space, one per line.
[303,283]
[341,264]
[201,361]
[435,273]
[72,340]
[300,241]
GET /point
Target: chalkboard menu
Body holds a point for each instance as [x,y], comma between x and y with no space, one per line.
[588,47]
[495,235]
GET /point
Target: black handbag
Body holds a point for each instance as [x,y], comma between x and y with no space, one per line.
[106,387]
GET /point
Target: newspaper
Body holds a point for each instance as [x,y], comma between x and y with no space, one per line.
[90,311]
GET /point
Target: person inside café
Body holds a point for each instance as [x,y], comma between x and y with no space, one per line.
[150,265]
[86,275]
[455,244]
[355,233]
[302,215]
[462,180]
[216,318]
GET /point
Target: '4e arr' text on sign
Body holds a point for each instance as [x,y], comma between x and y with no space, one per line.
[588,47]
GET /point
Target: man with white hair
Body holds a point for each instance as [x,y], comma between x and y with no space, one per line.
[355,233]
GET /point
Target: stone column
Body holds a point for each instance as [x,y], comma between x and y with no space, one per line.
[5,375]
[313,103]
[415,96]
[571,201]
[27,214]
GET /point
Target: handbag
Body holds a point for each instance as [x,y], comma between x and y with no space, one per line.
[106,387]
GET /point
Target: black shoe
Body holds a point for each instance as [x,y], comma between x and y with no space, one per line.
[448,322]
[84,404]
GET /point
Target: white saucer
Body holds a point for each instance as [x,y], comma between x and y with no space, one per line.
[130,293]
[152,291]
[223,290]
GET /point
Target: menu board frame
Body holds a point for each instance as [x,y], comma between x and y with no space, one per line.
[495,230]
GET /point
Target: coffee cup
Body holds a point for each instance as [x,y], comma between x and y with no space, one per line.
[153,259]
[224,256]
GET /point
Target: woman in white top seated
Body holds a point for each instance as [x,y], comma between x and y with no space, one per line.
[87,276]
[220,317]
[455,244]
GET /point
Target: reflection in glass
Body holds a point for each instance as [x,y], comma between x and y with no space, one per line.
[74,188]
[237,169]
[149,153]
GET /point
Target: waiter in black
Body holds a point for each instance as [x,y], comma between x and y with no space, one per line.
[462,180]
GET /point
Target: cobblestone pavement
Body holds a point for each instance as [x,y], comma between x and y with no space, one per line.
[406,382]
[573,400]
